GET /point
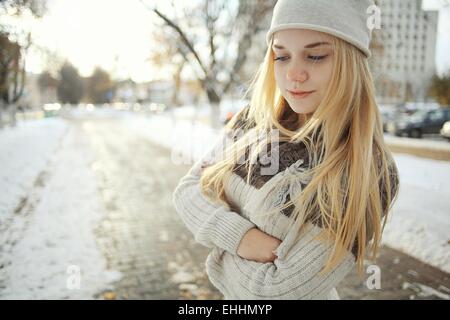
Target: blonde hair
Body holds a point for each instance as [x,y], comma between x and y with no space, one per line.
[350,166]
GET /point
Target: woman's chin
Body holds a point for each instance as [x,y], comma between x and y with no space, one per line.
[301,108]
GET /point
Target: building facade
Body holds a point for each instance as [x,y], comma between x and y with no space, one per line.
[404,50]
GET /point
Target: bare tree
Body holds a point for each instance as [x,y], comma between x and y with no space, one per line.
[70,85]
[167,51]
[12,70]
[214,38]
[16,7]
[14,45]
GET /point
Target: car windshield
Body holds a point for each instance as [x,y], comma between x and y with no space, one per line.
[419,115]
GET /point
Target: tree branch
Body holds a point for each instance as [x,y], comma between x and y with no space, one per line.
[184,39]
[255,13]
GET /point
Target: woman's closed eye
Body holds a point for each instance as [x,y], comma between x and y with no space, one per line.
[317,58]
[280,58]
[313,58]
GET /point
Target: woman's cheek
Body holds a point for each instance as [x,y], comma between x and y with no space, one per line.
[278,76]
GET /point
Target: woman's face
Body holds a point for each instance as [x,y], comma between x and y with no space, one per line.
[303,63]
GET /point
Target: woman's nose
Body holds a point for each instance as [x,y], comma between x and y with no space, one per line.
[297,74]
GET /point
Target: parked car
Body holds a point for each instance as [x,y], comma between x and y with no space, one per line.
[445,130]
[157,107]
[419,123]
[387,116]
[51,109]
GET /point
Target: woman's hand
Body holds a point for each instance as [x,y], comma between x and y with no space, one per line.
[258,246]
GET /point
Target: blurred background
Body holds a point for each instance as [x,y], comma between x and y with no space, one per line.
[104,106]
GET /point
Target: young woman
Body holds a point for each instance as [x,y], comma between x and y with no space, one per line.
[295,232]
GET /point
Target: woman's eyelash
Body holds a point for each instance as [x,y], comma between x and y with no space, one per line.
[314,58]
[280,58]
[317,57]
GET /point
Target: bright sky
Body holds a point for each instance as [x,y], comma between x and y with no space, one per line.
[116,35]
[112,34]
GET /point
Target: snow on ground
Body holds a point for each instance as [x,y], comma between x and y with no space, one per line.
[420,219]
[24,153]
[57,243]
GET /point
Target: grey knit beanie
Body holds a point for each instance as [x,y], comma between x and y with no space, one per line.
[345,19]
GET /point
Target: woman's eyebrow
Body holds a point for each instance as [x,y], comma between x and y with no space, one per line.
[309,46]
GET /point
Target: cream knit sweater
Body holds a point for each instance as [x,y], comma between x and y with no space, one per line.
[293,275]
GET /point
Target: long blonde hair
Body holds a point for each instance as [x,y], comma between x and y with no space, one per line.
[351,168]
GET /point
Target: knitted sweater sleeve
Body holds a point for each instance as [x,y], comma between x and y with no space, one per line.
[213,225]
[295,274]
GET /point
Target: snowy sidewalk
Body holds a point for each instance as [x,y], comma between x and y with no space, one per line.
[49,209]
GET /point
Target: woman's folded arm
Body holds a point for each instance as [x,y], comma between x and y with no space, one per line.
[294,275]
[212,224]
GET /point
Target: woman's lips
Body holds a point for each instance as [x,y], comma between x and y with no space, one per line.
[300,95]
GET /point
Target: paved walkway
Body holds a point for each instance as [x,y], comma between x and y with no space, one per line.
[143,237]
